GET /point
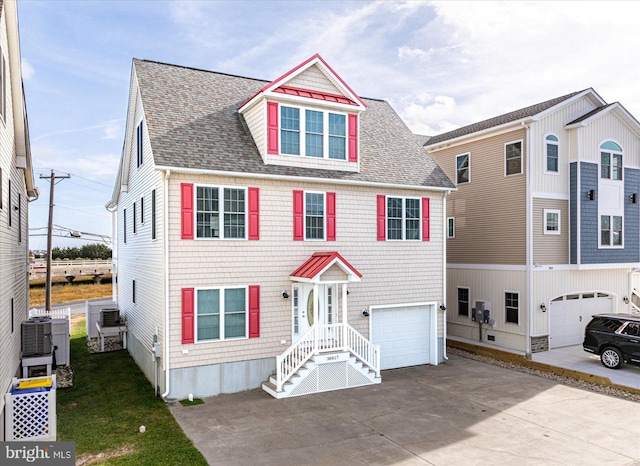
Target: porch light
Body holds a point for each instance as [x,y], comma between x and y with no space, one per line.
[626,299]
[543,307]
[634,198]
[591,194]
[285,295]
[365,313]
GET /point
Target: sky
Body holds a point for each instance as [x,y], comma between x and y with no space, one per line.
[441,65]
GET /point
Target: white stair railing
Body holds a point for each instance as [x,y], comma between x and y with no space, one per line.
[635,302]
[362,348]
[295,356]
[325,338]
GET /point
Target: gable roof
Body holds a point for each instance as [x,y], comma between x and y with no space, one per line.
[193,124]
[320,262]
[510,117]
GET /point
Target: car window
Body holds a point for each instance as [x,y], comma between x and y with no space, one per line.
[632,329]
[609,324]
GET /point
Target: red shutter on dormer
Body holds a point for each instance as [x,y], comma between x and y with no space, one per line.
[254,311]
[186,206]
[254,213]
[272,127]
[382,217]
[188,315]
[353,137]
[426,229]
[331,216]
[298,215]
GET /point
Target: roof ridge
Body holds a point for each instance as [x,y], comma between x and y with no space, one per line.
[198,69]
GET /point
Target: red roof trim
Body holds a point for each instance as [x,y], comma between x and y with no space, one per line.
[311,94]
[317,56]
[318,262]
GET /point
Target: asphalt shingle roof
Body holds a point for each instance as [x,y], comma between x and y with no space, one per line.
[193,123]
[591,113]
[501,119]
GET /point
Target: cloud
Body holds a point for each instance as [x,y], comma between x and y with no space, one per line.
[27,70]
[70,161]
[112,129]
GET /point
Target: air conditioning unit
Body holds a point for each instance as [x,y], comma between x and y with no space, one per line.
[109,318]
[36,337]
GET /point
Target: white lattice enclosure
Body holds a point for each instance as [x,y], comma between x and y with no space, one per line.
[30,414]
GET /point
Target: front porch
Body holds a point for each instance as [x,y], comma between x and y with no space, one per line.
[327,353]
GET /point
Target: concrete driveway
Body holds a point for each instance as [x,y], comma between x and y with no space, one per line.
[463,412]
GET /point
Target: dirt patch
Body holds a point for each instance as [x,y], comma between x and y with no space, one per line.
[85,460]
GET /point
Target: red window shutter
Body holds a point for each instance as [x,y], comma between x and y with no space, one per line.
[254,213]
[382,217]
[331,216]
[426,229]
[254,311]
[186,204]
[353,137]
[188,315]
[272,127]
[298,215]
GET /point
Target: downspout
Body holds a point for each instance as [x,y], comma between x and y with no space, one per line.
[165,241]
[529,242]
[444,274]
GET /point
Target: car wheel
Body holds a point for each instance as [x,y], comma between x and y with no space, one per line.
[611,358]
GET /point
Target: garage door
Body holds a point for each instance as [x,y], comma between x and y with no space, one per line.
[570,314]
[405,335]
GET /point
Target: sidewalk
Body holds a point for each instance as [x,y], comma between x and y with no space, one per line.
[571,361]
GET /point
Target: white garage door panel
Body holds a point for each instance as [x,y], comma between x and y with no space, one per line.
[569,317]
[403,336]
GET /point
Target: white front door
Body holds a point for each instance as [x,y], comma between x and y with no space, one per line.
[304,315]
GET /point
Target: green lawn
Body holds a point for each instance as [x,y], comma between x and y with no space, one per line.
[109,401]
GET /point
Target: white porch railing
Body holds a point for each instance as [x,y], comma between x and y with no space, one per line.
[635,302]
[325,338]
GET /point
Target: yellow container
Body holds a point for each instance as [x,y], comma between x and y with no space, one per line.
[40,383]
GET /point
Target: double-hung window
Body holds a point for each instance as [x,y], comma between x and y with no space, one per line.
[462,168]
[511,307]
[221,313]
[314,215]
[610,161]
[513,158]
[221,212]
[551,222]
[463,302]
[610,230]
[403,218]
[324,135]
[551,149]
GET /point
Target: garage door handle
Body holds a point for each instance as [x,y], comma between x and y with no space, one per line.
[580,318]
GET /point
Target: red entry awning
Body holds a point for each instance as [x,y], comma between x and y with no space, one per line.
[319,262]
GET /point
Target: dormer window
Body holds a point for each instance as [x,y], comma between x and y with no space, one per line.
[315,140]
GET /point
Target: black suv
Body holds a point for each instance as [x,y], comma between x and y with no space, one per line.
[615,337]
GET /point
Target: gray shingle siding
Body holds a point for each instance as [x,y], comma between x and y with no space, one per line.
[590,254]
[193,122]
[573,216]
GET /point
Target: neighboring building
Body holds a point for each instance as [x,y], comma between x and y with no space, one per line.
[543,229]
[257,219]
[17,189]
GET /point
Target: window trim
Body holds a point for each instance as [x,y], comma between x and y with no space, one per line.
[468,314]
[451,227]
[521,141]
[545,220]
[404,218]
[221,336]
[468,154]
[504,301]
[302,132]
[324,215]
[221,212]
[546,143]
[610,245]
[611,153]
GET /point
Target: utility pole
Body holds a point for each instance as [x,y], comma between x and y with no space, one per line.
[52,180]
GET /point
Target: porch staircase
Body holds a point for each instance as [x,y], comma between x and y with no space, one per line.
[327,357]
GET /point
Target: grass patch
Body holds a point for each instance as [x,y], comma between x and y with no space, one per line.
[65,292]
[109,401]
[196,401]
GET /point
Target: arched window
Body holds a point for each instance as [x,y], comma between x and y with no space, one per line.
[610,161]
[551,148]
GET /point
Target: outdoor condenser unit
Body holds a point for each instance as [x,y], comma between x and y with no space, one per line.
[109,318]
[36,337]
